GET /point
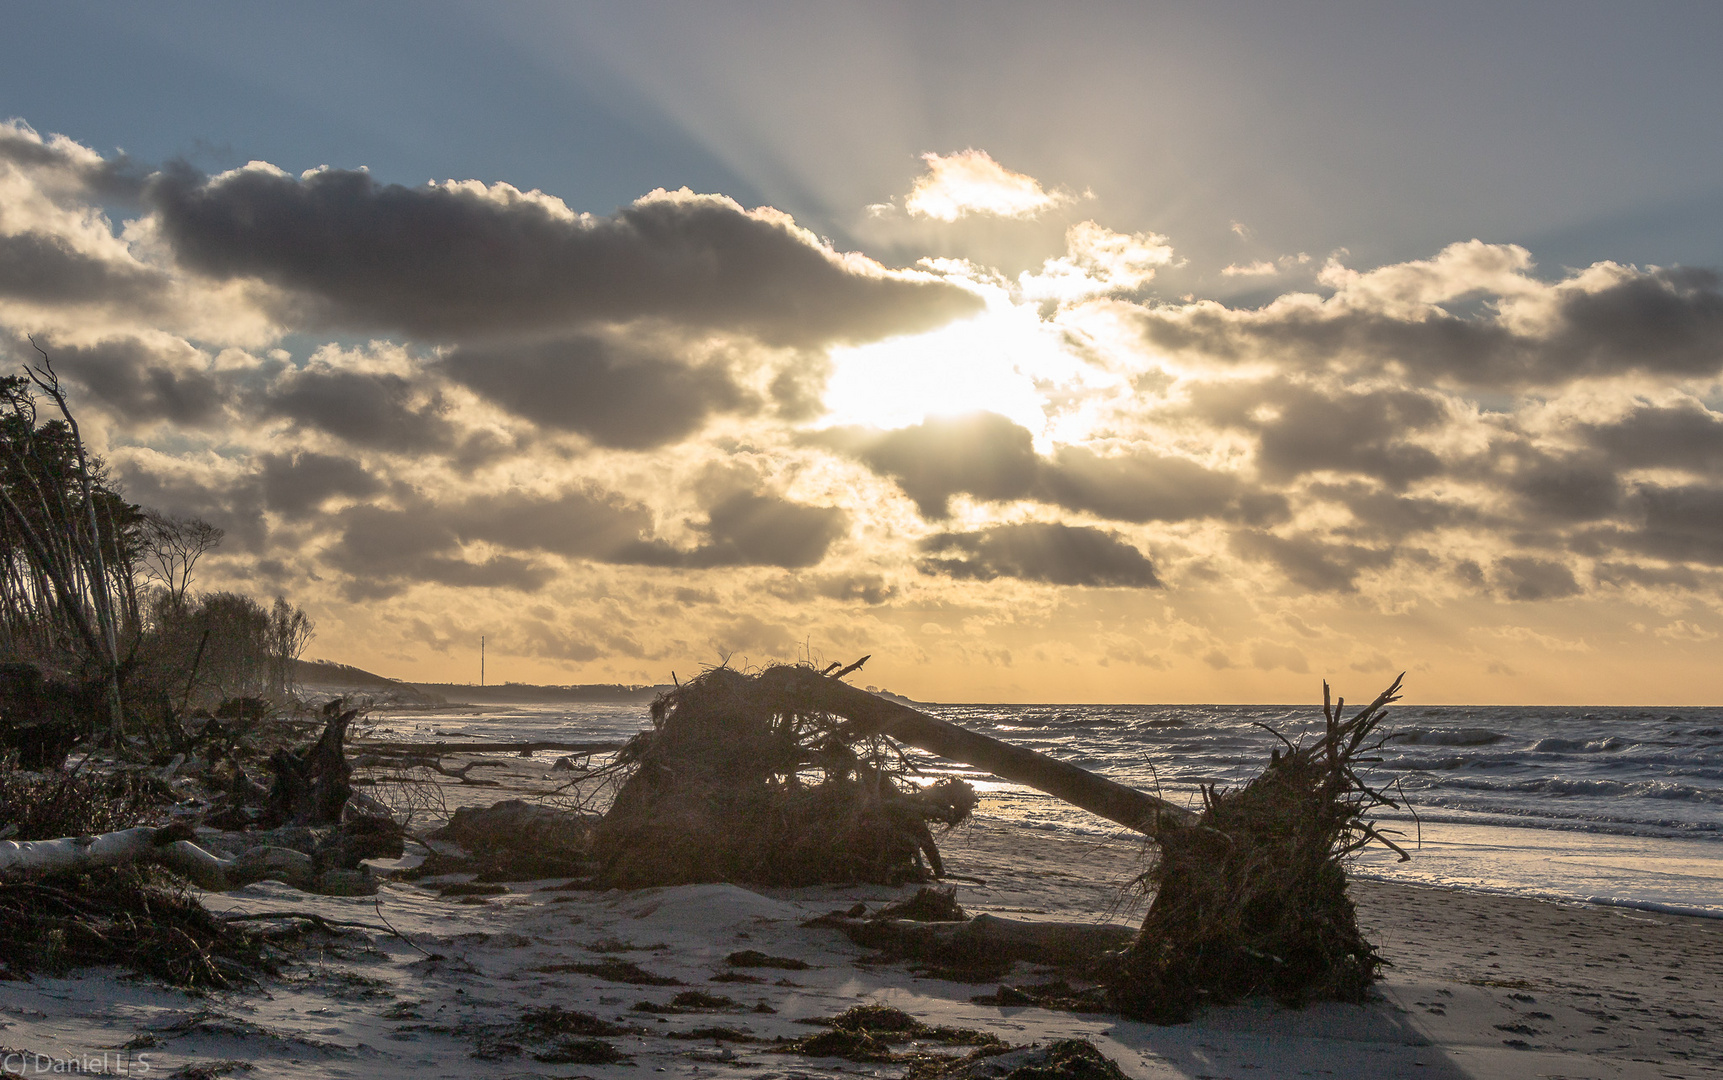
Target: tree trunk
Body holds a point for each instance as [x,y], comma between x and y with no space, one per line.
[1134,809]
[206,871]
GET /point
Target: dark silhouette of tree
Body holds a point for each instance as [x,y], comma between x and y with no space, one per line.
[172,545]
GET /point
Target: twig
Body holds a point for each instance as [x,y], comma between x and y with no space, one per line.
[392,930]
[326,924]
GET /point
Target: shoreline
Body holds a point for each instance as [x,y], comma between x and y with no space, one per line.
[1479,985]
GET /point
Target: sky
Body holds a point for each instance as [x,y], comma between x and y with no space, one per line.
[1096,352]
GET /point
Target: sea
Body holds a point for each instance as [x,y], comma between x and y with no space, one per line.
[1617,806]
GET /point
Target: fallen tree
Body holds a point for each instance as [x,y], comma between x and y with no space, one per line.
[1250,899]
[793,777]
[167,847]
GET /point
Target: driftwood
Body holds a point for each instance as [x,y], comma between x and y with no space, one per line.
[740,781]
[388,748]
[165,847]
[312,785]
[320,873]
[1251,900]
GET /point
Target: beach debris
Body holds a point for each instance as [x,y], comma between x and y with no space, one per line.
[929,904]
[613,970]
[312,785]
[1251,898]
[868,1033]
[515,824]
[792,777]
[512,840]
[984,948]
[752,958]
[741,780]
[1066,1059]
[691,1001]
[43,716]
[117,917]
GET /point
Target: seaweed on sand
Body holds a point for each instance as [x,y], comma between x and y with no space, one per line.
[1251,898]
[120,916]
[739,780]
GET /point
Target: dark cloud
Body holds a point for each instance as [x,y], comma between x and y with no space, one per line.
[139,385]
[1618,574]
[1147,486]
[45,269]
[992,458]
[1683,524]
[865,588]
[450,261]
[117,177]
[1567,489]
[1303,429]
[297,483]
[1660,322]
[983,454]
[236,508]
[1037,551]
[1687,436]
[387,549]
[1318,565]
[1666,322]
[1522,578]
[585,386]
[748,529]
[383,411]
[584,523]
[1387,515]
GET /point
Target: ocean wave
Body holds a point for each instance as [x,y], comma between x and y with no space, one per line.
[1661,908]
[1585,746]
[1470,736]
[1587,786]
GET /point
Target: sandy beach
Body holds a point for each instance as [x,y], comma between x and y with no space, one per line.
[1481,986]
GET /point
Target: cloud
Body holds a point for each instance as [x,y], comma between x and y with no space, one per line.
[294,484]
[387,549]
[1097,261]
[73,171]
[1523,578]
[749,529]
[1267,656]
[1682,523]
[382,410]
[982,454]
[1566,488]
[460,259]
[146,383]
[1144,485]
[1040,551]
[1260,268]
[45,268]
[588,386]
[1472,316]
[971,182]
[1314,564]
[1304,428]
[992,458]
[1683,436]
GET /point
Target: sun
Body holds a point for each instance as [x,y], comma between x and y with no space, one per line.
[1003,360]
